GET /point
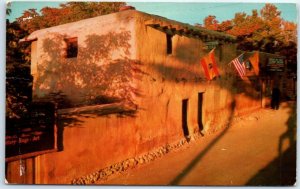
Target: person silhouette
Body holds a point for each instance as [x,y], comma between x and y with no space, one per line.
[275,98]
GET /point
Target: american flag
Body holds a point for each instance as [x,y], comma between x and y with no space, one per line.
[239,65]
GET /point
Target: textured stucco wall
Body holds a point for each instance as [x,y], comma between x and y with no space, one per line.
[157,85]
[105,53]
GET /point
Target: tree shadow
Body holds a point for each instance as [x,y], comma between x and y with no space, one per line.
[186,52]
[291,132]
[91,78]
[186,68]
[282,170]
[177,75]
[102,74]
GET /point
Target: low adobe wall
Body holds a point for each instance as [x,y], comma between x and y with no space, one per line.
[89,142]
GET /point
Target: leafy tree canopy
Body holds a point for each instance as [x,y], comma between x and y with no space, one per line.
[264,31]
[32,20]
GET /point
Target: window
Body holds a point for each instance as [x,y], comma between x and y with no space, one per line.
[72,47]
[169,44]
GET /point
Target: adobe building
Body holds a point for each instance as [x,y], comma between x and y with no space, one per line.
[126,84]
[275,73]
[272,72]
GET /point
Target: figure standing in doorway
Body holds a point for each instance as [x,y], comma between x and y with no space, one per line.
[275,98]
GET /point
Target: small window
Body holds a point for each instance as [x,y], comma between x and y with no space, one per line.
[72,47]
[169,44]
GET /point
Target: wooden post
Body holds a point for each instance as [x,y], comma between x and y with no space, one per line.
[21,171]
[263,93]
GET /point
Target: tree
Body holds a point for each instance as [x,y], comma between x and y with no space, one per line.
[264,30]
[31,20]
[211,23]
[225,26]
[17,72]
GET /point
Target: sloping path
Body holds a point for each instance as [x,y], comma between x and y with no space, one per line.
[246,153]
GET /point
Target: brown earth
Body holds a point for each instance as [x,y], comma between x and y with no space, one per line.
[256,149]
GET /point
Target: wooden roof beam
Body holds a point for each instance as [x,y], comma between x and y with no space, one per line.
[179,32]
[153,25]
[164,27]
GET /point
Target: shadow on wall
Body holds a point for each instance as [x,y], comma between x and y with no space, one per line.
[234,85]
[178,75]
[189,70]
[187,52]
[230,82]
[92,77]
[75,119]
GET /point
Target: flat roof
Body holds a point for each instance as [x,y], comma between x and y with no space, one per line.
[155,21]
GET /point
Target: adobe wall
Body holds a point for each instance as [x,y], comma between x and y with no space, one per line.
[105,53]
[104,68]
[171,78]
[89,142]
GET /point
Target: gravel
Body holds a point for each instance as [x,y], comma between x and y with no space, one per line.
[127,164]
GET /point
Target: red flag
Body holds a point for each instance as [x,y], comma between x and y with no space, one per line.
[254,59]
[209,65]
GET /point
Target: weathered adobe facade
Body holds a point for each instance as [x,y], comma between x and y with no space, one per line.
[267,79]
[280,79]
[146,71]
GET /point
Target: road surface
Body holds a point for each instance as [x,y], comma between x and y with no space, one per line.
[257,149]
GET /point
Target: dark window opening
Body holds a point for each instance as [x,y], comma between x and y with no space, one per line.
[72,47]
[184,117]
[169,44]
[200,103]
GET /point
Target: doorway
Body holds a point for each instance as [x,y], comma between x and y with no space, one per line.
[199,117]
[184,117]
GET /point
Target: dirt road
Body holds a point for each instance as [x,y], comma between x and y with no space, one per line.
[257,149]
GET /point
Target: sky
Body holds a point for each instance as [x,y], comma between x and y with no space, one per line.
[190,12]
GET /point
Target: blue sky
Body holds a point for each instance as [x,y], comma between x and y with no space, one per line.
[191,12]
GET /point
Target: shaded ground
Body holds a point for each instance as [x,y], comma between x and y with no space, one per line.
[255,150]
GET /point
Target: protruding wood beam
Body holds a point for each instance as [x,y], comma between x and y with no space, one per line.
[153,25]
[164,27]
[190,32]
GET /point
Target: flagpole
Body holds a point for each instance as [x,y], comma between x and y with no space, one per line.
[235,58]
